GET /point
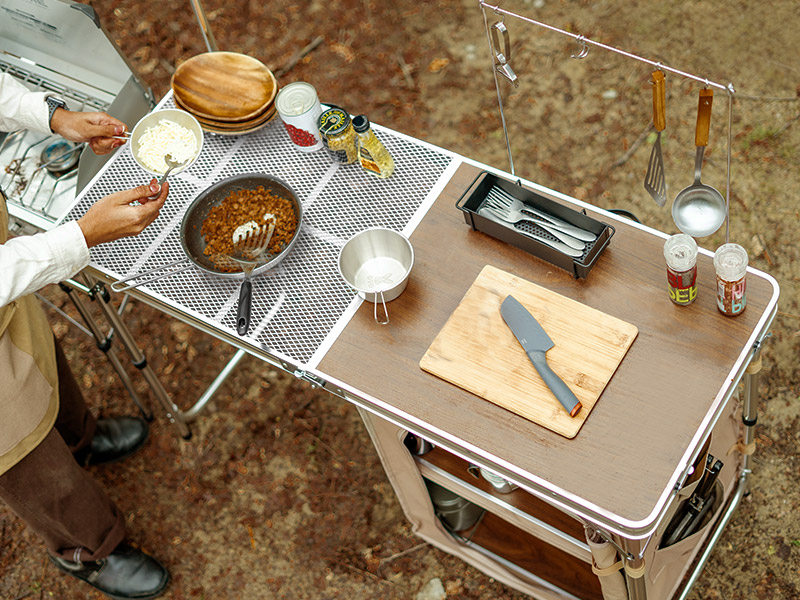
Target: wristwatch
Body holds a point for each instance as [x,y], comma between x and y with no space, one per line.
[52,104]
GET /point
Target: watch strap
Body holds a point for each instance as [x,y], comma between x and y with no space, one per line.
[52,104]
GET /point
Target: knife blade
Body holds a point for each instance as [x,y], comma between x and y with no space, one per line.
[535,341]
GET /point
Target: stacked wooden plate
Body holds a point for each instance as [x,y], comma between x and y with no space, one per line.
[228,93]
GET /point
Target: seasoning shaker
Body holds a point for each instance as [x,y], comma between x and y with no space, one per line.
[730,263]
[372,154]
[680,252]
[338,135]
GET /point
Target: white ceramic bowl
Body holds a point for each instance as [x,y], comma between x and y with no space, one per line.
[182,118]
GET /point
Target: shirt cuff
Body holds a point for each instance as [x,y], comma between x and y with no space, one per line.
[69,246]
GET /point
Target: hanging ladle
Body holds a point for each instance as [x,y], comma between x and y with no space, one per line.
[699,209]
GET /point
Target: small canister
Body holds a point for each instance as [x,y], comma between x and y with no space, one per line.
[500,484]
[299,109]
[338,135]
[730,262]
[681,253]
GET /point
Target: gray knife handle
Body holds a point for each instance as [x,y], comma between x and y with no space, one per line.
[564,395]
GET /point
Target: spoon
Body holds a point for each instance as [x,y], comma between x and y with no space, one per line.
[171,163]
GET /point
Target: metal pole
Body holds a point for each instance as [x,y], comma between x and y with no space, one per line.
[191,414]
[173,413]
[208,37]
[104,344]
[635,568]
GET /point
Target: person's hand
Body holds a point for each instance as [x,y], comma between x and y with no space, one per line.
[113,217]
[94,128]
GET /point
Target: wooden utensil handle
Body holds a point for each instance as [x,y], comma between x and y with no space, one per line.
[659,100]
[703,117]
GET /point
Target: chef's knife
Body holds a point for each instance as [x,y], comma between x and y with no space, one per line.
[536,343]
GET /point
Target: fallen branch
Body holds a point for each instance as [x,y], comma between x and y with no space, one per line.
[634,146]
[406,69]
[389,559]
[298,56]
[785,126]
[363,572]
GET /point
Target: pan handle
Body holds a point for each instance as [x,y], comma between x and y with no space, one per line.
[160,272]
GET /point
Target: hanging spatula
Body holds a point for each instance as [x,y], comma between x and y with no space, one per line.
[654,180]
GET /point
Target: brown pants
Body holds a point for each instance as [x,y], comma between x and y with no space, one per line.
[53,495]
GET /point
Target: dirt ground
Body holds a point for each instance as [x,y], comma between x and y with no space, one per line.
[279,493]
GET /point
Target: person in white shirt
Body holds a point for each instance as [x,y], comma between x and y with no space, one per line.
[46,430]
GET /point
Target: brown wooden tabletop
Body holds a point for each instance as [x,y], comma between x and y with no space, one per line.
[626,455]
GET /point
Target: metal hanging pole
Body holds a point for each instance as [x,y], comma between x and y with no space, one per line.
[584,44]
[208,37]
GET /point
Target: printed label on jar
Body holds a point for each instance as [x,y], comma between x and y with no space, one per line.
[682,286]
[731,296]
[367,161]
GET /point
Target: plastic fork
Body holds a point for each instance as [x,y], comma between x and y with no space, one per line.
[498,215]
[515,216]
[249,252]
[505,199]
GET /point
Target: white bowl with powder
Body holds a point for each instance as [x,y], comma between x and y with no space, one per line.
[167,131]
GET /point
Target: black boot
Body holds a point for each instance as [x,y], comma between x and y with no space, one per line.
[114,439]
[125,573]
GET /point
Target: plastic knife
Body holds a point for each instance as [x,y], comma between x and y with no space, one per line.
[536,343]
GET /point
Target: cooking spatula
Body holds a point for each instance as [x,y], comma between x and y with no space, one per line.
[654,180]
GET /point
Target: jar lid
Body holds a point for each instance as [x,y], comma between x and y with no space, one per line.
[333,121]
[360,123]
[680,250]
[296,98]
[730,262]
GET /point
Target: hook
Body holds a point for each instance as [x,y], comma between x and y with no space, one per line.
[503,55]
[584,47]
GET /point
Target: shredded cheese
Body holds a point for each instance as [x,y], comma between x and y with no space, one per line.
[166,137]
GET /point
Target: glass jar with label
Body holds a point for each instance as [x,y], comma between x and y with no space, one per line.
[680,252]
[338,135]
[730,263]
[372,154]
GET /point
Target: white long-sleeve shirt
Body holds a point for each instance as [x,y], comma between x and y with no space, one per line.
[28,263]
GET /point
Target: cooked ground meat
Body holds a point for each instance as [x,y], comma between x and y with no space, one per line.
[239,208]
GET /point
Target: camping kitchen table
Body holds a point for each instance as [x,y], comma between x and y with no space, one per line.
[623,475]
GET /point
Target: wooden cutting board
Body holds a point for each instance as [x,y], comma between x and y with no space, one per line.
[224,86]
[476,350]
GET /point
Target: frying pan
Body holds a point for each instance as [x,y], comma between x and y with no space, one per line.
[193,241]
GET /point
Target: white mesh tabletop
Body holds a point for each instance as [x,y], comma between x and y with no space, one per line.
[297,304]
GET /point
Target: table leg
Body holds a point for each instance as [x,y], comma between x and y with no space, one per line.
[172,412]
[104,344]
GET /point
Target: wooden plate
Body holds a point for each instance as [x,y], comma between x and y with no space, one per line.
[220,131]
[255,120]
[267,116]
[224,86]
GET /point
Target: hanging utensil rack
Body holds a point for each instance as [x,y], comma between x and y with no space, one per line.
[501,59]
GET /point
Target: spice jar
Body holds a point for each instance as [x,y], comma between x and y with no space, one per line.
[680,251]
[730,262]
[372,154]
[338,135]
